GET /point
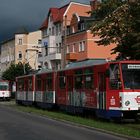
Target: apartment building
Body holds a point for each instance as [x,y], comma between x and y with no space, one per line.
[54,33]
[23,47]
[81,44]
[27,47]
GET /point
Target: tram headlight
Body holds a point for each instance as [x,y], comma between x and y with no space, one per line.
[127,103]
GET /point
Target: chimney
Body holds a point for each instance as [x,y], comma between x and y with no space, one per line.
[94,4]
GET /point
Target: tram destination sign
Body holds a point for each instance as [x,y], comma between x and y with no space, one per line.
[130,66]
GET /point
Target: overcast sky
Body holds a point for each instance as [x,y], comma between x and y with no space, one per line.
[28,13]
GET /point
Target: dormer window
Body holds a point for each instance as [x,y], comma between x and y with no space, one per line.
[73,29]
[82,26]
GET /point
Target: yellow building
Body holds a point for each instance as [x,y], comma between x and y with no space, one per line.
[24,47]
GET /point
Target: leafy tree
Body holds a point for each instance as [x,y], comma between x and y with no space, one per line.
[118,21]
[16,70]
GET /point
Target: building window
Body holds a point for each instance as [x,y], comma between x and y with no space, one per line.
[19,55]
[44,33]
[82,26]
[82,46]
[68,30]
[49,31]
[60,29]
[59,48]
[39,41]
[68,49]
[52,30]
[20,41]
[73,29]
[73,48]
[57,29]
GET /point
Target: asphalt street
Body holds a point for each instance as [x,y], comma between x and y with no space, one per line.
[16,125]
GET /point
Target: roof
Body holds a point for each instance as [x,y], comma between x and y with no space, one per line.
[21,30]
[57,15]
[7,40]
[85,63]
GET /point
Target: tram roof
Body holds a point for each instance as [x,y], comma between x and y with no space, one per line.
[85,63]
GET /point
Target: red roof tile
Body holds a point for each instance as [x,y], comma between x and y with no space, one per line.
[44,24]
[57,15]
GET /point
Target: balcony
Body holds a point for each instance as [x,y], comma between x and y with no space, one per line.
[71,56]
[54,56]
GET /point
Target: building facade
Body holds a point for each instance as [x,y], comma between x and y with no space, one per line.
[54,34]
[81,44]
[24,47]
[27,48]
[7,54]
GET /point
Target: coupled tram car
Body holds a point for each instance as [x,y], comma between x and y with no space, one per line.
[5,92]
[109,89]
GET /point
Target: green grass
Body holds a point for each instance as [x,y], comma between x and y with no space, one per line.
[127,129]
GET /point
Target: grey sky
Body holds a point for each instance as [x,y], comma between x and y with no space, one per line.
[28,13]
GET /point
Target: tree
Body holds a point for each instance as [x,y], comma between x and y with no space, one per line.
[118,21]
[16,70]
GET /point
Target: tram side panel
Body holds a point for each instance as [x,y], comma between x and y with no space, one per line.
[20,89]
[75,92]
[61,92]
[30,89]
[25,89]
[45,90]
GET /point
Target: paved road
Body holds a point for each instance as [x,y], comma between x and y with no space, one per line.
[15,125]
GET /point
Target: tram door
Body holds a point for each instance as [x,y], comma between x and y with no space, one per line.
[102,91]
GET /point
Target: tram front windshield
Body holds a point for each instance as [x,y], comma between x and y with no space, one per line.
[4,86]
[131,76]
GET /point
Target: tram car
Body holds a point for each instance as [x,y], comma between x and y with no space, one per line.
[25,89]
[45,89]
[110,90]
[5,90]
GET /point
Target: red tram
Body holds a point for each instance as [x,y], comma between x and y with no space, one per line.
[109,89]
[25,89]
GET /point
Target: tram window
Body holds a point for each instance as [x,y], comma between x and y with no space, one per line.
[49,83]
[20,85]
[45,85]
[88,78]
[114,77]
[89,81]
[79,79]
[4,86]
[30,84]
[78,82]
[131,74]
[38,84]
[62,80]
